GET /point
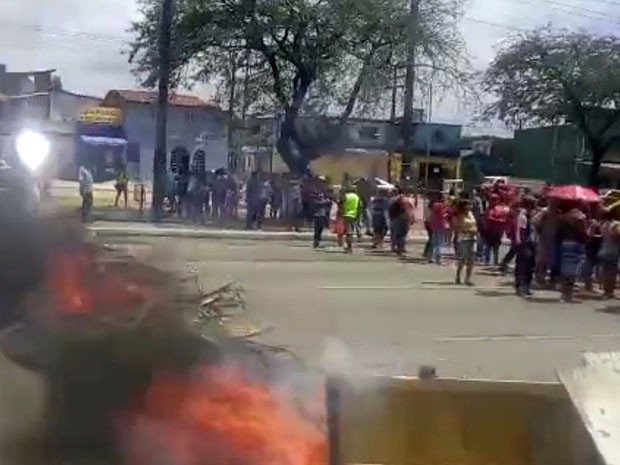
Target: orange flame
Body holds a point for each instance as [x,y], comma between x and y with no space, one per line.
[79,286]
[219,417]
[65,276]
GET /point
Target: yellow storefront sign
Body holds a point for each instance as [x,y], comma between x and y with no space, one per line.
[101,115]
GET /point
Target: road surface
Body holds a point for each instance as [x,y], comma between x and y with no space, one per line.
[374,314]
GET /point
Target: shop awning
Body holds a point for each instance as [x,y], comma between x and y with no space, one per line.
[96,140]
[101,134]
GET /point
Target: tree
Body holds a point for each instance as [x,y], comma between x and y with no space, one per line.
[56,82]
[299,56]
[555,77]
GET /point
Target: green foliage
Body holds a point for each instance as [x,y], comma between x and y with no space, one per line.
[559,77]
[298,56]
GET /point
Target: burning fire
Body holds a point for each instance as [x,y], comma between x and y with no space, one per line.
[80,286]
[66,277]
[218,416]
[214,415]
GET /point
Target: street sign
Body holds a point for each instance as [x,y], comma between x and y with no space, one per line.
[101,115]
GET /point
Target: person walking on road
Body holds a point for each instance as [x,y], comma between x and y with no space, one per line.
[546,222]
[524,240]
[511,229]
[85,178]
[121,186]
[295,206]
[378,210]
[350,210]
[252,200]
[400,221]
[609,254]
[438,226]
[572,235]
[322,207]
[465,230]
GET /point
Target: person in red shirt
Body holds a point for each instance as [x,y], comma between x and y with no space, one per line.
[438,226]
[495,225]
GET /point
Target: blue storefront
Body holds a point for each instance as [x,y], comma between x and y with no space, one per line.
[101,143]
[101,148]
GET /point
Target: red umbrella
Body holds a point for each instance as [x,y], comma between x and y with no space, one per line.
[575,193]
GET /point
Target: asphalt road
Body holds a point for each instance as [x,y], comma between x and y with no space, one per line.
[357,314]
[374,314]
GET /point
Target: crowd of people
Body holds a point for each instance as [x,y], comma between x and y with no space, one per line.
[356,207]
[554,242]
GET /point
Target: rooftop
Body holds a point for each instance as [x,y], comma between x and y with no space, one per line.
[149,96]
[31,72]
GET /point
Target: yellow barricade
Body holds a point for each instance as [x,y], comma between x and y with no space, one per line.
[407,421]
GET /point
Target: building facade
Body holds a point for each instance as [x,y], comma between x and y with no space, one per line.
[196,135]
[485,156]
[361,149]
[560,155]
[549,153]
[35,100]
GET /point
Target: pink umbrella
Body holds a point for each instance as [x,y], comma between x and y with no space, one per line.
[574,193]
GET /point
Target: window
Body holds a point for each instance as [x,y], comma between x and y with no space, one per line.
[198,161]
[370,132]
[439,136]
[216,118]
[133,152]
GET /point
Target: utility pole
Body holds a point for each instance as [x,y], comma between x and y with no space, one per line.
[429,133]
[160,156]
[412,32]
[232,94]
[392,120]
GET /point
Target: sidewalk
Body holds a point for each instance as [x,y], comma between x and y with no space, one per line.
[113,221]
[145,229]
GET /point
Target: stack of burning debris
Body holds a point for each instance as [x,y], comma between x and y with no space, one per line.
[128,382]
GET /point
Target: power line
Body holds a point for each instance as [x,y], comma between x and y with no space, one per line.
[108,39]
[607,2]
[30,43]
[584,9]
[583,13]
[494,24]
[607,17]
[73,34]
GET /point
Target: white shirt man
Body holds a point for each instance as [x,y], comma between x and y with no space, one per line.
[86,181]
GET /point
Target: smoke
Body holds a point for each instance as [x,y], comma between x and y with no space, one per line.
[336,359]
[92,364]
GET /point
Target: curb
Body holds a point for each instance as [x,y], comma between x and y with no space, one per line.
[115,231]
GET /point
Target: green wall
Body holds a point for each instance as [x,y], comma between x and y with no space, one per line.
[550,154]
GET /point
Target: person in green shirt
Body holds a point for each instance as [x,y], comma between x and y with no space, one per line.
[350,208]
[121,186]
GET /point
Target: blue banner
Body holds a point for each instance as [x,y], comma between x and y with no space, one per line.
[100,134]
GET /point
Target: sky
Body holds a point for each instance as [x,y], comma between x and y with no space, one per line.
[84,39]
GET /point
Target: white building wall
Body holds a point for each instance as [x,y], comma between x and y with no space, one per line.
[191,128]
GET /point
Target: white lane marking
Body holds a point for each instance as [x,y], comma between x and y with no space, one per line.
[365,288]
[522,337]
[418,287]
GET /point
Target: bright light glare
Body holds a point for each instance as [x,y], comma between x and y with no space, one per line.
[32,148]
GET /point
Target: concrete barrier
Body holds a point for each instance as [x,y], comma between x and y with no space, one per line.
[407,421]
